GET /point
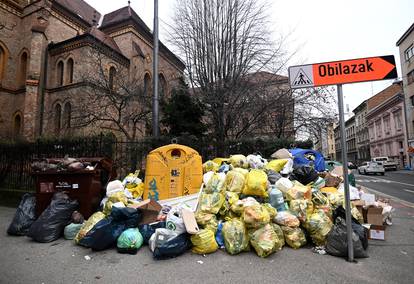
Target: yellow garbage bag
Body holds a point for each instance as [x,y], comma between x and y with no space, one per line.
[211,202]
[256,183]
[239,161]
[210,166]
[285,218]
[357,215]
[255,216]
[215,183]
[329,190]
[301,208]
[134,184]
[234,181]
[276,165]
[204,242]
[279,233]
[336,199]
[294,237]
[318,225]
[88,225]
[299,191]
[265,241]
[230,199]
[235,236]
[206,220]
[114,198]
[271,210]
[220,161]
[244,172]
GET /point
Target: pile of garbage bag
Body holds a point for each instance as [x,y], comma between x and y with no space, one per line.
[244,204]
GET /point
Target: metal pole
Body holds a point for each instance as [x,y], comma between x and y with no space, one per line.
[345,174]
[155,102]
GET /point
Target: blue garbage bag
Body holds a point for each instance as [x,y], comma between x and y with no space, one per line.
[147,230]
[299,158]
[173,247]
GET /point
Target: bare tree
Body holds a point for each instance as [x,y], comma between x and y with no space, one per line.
[222,43]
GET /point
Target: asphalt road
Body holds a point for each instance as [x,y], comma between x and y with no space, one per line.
[398,184]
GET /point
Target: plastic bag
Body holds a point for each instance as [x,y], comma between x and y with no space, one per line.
[235,236]
[276,165]
[129,241]
[284,184]
[336,199]
[211,203]
[147,230]
[256,161]
[77,218]
[175,220]
[256,183]
[215,184]
[282,154]
[329,190]
[271,210]
[88,225]
[114,187]
[265,241]
[304,174]
[279,233]
[272,176]
[71,231]
[210,166]
[244,172]
[204,242]
[299,191]
[353,191]
[207,176]
[24,217]
[319,183]
[318,226]
[361,231]
[134,184]
[301,208]
[234,182]
[224,168]
[160,237]
[51,223]
[294,237]
[285,218]
[173,247]
[332,181]
[116,197]
[230,199]
[239,161]
[337,244]
[105,233]
[219,235]
[287,168]
[255,216]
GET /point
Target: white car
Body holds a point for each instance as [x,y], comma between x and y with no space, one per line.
[371,168]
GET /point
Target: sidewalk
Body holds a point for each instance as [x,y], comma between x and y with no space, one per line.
[24,261]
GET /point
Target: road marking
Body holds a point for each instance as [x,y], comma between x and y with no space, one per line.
[385,181]
[411,191]
[406,203]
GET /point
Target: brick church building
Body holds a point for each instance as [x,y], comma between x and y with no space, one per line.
[47,50]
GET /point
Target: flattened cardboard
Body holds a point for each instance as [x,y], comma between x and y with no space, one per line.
[150,210]
[189,221]
[368,198]
[377,233]
[374,216]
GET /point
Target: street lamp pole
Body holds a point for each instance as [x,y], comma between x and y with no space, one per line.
[155,100]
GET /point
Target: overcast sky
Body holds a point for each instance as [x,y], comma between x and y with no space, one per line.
[322,30]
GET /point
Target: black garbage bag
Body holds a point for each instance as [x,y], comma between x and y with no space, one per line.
[336,242]
[24,217]
[304,174]
[51,223]
[273,176]
[173,248]
[360,230]
[147,230]
[105,233]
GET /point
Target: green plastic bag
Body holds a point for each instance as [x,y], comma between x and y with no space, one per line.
[71,231]
[129,241]
[235,236]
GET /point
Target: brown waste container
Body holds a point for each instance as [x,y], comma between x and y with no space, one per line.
[85,186]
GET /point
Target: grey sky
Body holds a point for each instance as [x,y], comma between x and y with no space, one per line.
[323,30]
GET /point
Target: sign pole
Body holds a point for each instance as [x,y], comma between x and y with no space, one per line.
[155,98]
[345,173]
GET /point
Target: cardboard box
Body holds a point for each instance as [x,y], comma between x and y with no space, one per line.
[368,198]
[359,204]
[374,216]
[150,210]
[376,233]
[189,221]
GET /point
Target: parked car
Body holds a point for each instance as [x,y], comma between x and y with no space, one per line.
[388,163]
[371,168]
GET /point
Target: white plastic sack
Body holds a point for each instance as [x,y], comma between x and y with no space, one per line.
[353,192]
[282,154]
[175,220]
[160,237]
[114,187]
[284,184]
[288,168]
[207,176]
[256,161]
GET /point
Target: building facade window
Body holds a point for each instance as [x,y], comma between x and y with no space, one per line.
[409,52]
[23,69]
[59,74]
[397,120]
[387,125]
[69,71]
[147,84]
[378,128]
[57,118]
[17,125]
[3,59]
[67,113]
[163,87]
[111,80]
[410,77]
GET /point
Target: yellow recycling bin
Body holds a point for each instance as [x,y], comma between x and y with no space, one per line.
[173,170]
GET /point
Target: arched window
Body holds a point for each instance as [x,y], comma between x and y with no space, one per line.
[57,118]
[23,69]
[147,84]
[162,86]
[17,125]
[3,58]
[112,73]
[69,71]
[67,115]
[59,74]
